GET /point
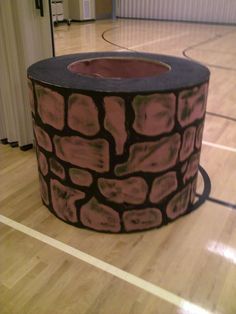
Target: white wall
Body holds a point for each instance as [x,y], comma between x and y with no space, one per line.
[215,11]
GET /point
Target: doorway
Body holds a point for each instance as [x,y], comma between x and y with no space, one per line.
[103,9]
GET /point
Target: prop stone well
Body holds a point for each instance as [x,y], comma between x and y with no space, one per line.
[118,137]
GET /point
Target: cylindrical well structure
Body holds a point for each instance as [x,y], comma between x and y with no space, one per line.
[118,137]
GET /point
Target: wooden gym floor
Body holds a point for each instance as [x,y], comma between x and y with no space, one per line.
[186,267]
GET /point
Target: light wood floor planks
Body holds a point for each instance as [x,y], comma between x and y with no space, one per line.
[193,258]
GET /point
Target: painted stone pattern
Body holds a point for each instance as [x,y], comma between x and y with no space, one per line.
[193,190]
[57,168]
[154,114]
[163,186]
[91,154]
[83,114]
[199,135]
[115,121]
[43,190]
[142,219]
[118,164]
[43,164]
[63,200]
[42,138]
[80,177]
[188,143]
[179,203]
[99,217]
[184,167]
[31,96]
[50,107]
[151,156]
[192,105]
[192,167]
[132,191]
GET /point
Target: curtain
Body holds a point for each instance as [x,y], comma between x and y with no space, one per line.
[25,37]
[212,11]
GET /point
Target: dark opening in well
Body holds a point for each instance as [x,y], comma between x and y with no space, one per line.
[118,68]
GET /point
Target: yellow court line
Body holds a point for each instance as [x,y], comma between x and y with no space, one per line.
[186,306]
[231,149]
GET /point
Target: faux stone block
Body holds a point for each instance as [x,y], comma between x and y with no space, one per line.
[63,200]
[43,164]
[154,114]
[193,190]
[44,190]
[132,191]
[179,203]
[142,219]
[57,168]
[163,186]
[199,135]
[192,104]
[188,143]
[43,138]
[118,137]
[91,154]
[151,156]
[80,177]
[99,217]
[192,167]
[50,107]
[83,114]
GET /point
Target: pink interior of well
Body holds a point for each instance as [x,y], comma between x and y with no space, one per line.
[118,68]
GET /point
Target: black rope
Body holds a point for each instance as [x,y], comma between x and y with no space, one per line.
[206,191]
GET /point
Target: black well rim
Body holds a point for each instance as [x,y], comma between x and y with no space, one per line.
[183,74]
